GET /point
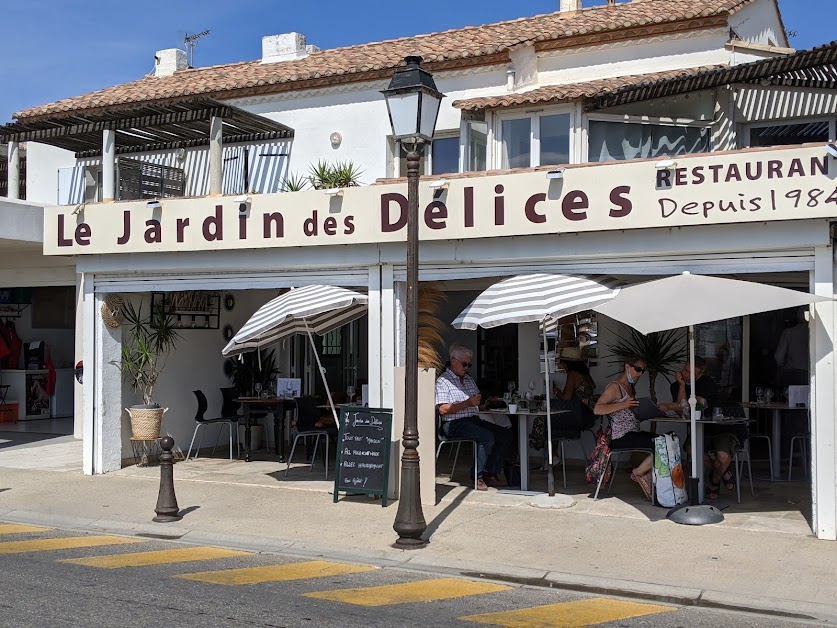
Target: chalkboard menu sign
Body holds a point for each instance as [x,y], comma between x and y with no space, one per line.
[363,445]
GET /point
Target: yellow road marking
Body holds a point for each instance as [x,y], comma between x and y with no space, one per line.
[422,591]
[570,614]
[71,542]
[275,573]
[163,557]
[13,528]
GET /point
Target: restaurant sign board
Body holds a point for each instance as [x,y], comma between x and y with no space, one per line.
[723,188]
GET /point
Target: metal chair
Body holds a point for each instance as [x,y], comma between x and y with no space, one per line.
[307,414]
[802,439]
[617,451]
[202,421]
[445,440]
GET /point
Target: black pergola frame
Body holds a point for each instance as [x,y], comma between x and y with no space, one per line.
[146,127]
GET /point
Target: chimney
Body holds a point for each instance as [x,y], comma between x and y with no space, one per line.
[167,62]
[570,5]
[285,47]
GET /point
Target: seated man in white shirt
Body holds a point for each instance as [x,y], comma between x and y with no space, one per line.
[458,402]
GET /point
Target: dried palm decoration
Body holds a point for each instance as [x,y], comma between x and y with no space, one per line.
[431,328]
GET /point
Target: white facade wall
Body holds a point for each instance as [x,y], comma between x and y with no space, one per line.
[42,165]
[759,23]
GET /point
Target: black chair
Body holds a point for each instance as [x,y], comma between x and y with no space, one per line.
[307,414]
[229,405]
[202,421]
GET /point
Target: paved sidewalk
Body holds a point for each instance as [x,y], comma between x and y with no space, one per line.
[787,574]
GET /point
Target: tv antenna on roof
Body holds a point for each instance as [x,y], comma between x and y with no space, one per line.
[191,41]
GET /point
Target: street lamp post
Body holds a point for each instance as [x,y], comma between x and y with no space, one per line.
[413,104]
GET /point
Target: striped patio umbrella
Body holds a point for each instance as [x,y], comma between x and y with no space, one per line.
[538,298]
[307,310]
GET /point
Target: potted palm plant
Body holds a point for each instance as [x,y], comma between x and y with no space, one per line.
[662,351]
[146,344]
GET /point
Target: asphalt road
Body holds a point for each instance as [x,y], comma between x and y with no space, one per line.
[50,578]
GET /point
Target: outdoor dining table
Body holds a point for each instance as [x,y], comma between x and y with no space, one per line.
[776,410]
[274,405]
[522,435]
[699,437]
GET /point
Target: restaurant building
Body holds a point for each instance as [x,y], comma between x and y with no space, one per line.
[636,139]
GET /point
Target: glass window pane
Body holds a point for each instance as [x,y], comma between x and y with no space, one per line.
[477,146]
[445,155]
[613,141]
[517,143]
[788,134]
[555,140]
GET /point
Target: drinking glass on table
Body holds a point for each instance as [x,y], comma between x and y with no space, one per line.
[350,391]
[759,395]
[511,386]
[768,395]
[258,390]
[289,390]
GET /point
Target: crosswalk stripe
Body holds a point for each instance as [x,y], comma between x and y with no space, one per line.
[569,614]
[13,528]
[71,542]
[421,591]
[163,557]
[275,573]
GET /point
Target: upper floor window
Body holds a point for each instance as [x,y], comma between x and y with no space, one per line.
[476,146]
[615,141]
[542,139]
[442,157]
[788,133]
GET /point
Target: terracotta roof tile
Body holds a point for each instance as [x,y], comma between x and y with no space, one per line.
[469,46]
[572,91]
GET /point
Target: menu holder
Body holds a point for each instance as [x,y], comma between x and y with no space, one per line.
[364,441]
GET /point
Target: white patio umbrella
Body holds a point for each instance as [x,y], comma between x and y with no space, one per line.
[537,298]
[687,300]
[317,308]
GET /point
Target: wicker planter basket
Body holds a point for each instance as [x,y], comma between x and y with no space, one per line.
[146,422]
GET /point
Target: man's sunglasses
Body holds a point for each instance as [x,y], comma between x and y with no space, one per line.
[467,365]
[638,369]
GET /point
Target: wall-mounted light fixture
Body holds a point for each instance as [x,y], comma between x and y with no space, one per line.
[831,149]
[441,184]
[335,138]
[558,173]
[155,204]
[665,164]
[334,192]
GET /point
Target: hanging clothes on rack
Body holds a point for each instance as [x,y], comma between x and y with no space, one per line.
[15,344]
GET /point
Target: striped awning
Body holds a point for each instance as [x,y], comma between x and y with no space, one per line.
[318,308]
[536,298]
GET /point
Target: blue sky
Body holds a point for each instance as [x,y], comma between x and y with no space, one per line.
[62,48]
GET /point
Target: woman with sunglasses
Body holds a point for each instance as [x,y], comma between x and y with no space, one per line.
[617,402]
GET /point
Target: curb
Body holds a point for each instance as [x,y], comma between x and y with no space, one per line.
[404,559]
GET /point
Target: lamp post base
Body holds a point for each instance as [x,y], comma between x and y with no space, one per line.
[409,543]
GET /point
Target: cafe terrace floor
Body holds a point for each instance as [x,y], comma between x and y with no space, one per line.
[777,506]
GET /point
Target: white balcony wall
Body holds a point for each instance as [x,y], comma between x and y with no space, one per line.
[688,50]
[43,163]
[359,114]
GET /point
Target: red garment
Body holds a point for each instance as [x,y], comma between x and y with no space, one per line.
[15,344]
[51,376]
[4,348]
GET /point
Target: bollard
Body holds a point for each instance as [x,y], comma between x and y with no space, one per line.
[167,509]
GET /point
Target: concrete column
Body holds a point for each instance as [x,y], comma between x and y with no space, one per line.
[88,323]
[374,337]
[78,389]
[108,411]
[108,166]
[14,170]
[823,436]
[216,156]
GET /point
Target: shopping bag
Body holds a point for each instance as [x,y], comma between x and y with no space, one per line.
[669,481]
[598,464]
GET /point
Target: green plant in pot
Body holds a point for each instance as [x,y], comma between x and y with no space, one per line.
[246,371]
[662,351]
[147,341]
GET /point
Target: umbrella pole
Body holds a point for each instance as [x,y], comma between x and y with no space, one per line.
[322,373]
[550,474]
[694,513]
